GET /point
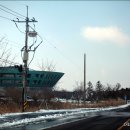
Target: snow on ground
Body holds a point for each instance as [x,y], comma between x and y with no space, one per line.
[28,120]
[18,119]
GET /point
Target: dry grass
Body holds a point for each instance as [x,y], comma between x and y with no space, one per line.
[12,107]
[9,108]
[110,102]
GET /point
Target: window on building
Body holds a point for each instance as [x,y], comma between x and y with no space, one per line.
[18,82]
[29,75]
[19,75]
[28,81]
[42,75]
[34,81]
[7,81]
[47,76]
[39,82]
[37,75]
[8,75]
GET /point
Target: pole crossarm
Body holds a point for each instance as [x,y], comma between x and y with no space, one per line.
[24,21]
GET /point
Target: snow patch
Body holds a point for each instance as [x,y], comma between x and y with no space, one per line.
[48,114]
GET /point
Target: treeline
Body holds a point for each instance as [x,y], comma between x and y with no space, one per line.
[100,92]
[93,93]
[46,98]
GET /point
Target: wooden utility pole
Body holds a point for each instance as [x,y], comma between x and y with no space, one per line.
[25,60]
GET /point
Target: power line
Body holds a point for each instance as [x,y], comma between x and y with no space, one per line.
[48,42]
[12,11]
[61,53]
[32,58]
[18,28]
[5,18]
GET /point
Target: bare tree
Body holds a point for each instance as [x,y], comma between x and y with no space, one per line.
[116,92]
[5,53]
[117,87]
[78,91]
[14,95]
[34,95]
[46,95]
[46,66]
[108,92]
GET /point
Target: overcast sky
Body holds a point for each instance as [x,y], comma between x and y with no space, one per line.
[101,29]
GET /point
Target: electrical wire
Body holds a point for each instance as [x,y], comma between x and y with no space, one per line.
[23,17]
[54,47]
[32,28]
[34,50]
[5,18]
[18,28]
[37,46]
[12,11]
[38,36]
[33,43]
[31,59]
[60,52]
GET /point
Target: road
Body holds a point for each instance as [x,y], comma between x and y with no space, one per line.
[102,121]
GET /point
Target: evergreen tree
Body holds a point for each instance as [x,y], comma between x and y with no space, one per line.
[99,91]
[90,92]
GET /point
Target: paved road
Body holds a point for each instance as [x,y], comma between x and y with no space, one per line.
[103,121]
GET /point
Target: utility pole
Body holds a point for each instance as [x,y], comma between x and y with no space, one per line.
[84,78]
[25,60]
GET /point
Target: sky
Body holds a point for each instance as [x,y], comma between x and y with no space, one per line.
[101,29]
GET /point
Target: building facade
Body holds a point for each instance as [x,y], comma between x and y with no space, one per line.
[11,77]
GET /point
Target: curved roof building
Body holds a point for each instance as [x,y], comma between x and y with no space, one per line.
[11,77]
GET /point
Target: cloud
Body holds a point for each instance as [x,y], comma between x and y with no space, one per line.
[106,34]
